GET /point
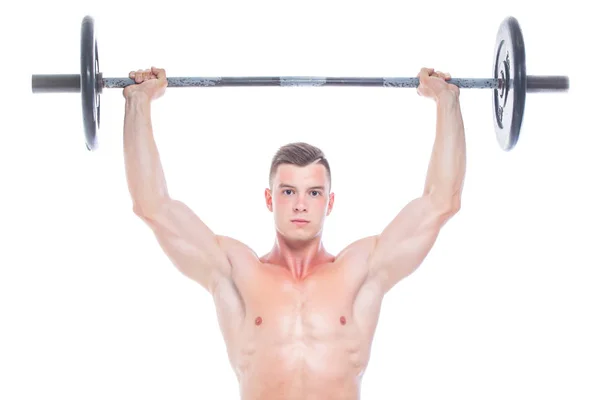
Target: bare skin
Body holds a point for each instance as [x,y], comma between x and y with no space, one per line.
[298,322]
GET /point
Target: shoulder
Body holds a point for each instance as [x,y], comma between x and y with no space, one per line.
[359,250]
[235,249]
[353,259]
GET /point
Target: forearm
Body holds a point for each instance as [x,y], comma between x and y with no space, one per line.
[446,172]
[145,175]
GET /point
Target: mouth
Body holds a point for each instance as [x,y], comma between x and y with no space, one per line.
[300,222]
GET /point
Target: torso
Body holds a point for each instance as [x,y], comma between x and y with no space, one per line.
[299,339]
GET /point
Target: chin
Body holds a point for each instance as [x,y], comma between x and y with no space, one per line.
[304,236]
[299,234]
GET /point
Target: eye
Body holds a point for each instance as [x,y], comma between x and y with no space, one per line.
[286,192]
[315,193]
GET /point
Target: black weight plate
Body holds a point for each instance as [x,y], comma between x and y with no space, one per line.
[509,67]
[98,76]
[89,85]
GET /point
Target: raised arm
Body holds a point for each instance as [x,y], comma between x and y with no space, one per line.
[406,241]
[192,247]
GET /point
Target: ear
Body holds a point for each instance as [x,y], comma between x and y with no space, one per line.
[331,201]
[269,199]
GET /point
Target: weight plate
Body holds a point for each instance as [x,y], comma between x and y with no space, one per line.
[90,98]
[509,68]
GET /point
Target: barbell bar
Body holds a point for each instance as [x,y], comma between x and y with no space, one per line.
[72,83]
[509,83]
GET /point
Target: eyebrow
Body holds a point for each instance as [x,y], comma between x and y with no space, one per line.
[284,185]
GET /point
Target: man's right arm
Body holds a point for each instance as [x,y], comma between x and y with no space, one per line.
[192,247]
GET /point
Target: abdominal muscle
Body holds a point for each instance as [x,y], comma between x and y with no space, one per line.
[298,363]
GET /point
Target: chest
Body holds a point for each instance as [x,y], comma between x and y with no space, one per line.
[319,307]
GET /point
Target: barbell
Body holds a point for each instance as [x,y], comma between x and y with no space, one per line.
[509,83]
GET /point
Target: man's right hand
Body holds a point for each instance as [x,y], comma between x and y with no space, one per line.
[432,84]
[151,83]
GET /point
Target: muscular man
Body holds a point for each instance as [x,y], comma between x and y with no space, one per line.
[298,322]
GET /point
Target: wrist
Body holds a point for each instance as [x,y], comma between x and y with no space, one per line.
[447,97]
[136,97]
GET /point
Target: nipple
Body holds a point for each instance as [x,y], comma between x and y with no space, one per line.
[343,320]
[258,321]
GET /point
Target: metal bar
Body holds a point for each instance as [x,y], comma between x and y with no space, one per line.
[301,81]
[72,83]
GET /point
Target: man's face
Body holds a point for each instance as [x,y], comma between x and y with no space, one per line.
[300,200]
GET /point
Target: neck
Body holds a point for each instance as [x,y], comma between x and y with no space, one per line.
[299,257]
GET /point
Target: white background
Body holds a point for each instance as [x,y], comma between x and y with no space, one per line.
[504,307]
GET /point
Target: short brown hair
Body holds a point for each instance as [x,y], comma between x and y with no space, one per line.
[300,154]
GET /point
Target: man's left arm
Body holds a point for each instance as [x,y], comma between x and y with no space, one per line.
[405,242]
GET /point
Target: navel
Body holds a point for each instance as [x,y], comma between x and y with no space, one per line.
[343,320]
[258,321]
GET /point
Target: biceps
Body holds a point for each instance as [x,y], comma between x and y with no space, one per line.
[406,256]
[406,241]
[190,245]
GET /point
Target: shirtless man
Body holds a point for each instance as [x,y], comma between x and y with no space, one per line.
[298,322]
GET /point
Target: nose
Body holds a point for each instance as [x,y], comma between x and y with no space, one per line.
[300,206]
